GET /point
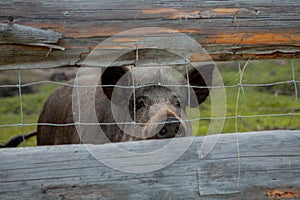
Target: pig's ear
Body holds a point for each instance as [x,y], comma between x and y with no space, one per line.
[115,76]
[202,78]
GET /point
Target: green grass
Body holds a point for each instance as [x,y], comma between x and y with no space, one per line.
[10,113]
[253,101]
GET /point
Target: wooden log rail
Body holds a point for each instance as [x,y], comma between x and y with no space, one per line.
[44,34]
[267,166]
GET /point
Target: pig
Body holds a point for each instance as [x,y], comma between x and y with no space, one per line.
[153,109]
[160,109]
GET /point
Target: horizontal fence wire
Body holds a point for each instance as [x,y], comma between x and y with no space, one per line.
[291,114]
[148,85]
[294,112]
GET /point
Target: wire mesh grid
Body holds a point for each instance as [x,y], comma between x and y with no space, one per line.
[261,95]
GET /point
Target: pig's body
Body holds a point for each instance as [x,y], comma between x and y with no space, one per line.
[58,110]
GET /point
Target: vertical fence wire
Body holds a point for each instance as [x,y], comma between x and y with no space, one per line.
[238,117]
[188,89]
[296,92]
[78,123]
[19,85]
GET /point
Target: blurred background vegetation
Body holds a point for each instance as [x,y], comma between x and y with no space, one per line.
[267,100]
[275,95]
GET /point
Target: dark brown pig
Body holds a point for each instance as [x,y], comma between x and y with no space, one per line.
[153,109]
[157,106]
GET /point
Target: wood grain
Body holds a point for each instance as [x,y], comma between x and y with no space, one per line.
[228,30]
[268,167]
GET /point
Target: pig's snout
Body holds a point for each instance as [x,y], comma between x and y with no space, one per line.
[170,128]
[166,124]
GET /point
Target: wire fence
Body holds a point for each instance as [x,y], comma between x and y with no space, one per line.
[261,95]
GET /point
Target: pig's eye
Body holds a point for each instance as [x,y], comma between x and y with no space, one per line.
[140,104]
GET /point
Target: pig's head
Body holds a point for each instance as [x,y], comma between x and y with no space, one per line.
[155,99]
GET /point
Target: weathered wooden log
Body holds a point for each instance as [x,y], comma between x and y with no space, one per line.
[228,30]
[24,35]
[266,166]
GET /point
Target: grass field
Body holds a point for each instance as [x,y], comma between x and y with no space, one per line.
[32,105]
[264,100]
